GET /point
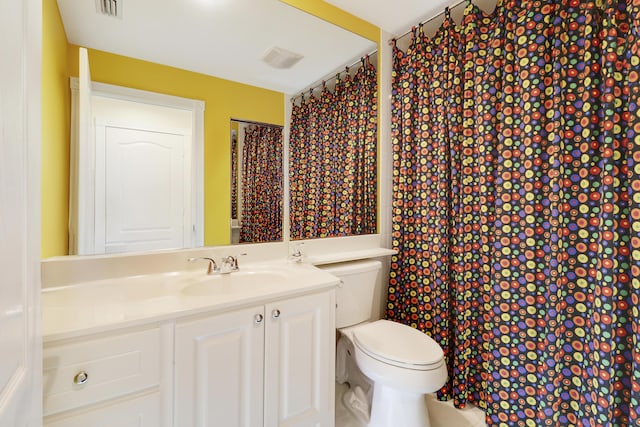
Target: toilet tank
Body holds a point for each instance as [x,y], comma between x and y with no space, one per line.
[354,295]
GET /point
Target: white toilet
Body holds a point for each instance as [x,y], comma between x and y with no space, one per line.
[389,366]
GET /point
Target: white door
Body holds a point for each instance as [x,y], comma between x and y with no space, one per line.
[142,189]
[219,370]
[20,139]
[299,362]
[82,180]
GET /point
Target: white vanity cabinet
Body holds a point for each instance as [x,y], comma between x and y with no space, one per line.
[269,365]
[114,379]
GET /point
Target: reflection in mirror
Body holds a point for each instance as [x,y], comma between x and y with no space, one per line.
[332,160]
[134,156]
[256,182]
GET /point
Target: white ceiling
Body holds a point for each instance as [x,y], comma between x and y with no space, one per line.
[223,38]
[227,38]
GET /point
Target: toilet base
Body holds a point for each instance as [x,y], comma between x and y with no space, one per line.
[391,407]
[357,403]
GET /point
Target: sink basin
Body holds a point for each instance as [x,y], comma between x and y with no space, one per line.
[237,281]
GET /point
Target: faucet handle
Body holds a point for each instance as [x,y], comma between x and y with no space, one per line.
[231,261]
[296,252]
[235,265]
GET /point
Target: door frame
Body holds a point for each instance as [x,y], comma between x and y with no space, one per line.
[86,195]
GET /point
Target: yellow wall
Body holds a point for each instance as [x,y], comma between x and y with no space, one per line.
[339,17]
[56,112]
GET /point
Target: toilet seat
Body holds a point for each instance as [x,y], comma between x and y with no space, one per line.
[398,345]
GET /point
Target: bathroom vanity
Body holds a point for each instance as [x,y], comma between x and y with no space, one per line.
[251,348]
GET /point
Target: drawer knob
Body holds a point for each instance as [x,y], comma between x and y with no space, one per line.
[258,318]
[81,377]
[275,313]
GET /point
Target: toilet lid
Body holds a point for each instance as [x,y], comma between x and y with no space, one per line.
[398,345]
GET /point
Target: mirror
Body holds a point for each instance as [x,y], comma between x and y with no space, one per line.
[256,182]
[244,86]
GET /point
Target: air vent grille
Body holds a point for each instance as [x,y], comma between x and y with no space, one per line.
[278,57]
[110,7]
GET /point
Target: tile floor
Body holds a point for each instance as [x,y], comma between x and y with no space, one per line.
[442,414]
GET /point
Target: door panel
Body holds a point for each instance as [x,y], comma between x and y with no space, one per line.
[299,355]
[219,370]
[20,139]
[143,190]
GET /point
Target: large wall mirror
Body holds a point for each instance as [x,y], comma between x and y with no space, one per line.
[209,56]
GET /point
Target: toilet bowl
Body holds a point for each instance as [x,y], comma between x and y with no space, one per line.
[404,364]
[389,366]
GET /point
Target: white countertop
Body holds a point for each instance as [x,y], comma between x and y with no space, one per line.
[102,305]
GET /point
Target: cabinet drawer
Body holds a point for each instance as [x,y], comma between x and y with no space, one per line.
[89,371]
[142,411]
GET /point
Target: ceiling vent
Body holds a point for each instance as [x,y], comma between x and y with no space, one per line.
[110,8]
[281,58]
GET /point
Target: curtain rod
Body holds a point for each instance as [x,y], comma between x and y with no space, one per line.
[446,10]
[324,80]
[251,122]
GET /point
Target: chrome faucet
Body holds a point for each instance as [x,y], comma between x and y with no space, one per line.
[229,264]
[212,267]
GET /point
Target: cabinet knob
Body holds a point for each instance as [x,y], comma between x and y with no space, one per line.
[258,318]
[275,313]
[81,378]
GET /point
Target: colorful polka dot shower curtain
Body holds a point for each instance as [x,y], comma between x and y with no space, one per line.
[516,211]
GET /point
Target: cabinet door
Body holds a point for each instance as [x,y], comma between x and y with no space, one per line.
[299,361]
[141,411]
[219,370]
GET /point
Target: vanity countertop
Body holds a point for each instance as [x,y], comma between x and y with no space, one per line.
[98,306]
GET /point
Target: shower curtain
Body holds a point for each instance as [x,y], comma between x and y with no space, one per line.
[516,208]
[332,161]
[262,184]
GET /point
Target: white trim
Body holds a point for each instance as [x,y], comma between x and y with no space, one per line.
[197,108]
[83,166]
[20,182]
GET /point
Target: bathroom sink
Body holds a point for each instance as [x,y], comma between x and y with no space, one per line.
[237,281]
[104,302]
